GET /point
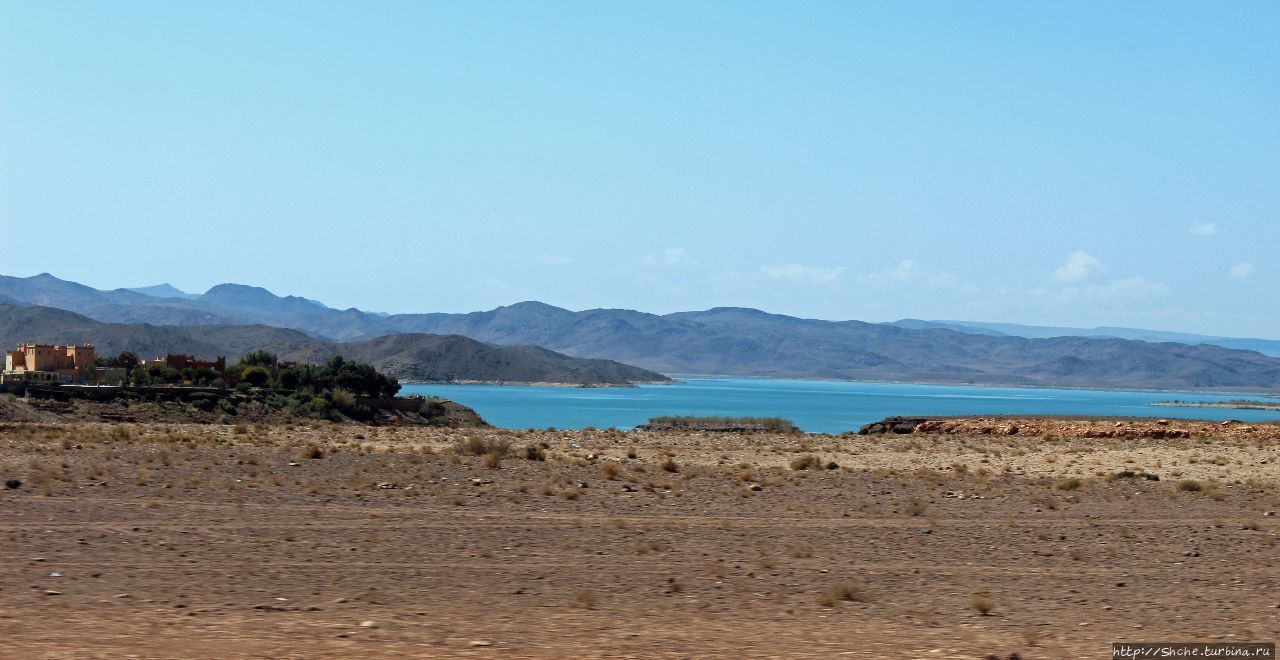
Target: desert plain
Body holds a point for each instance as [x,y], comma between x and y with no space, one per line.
[966,539]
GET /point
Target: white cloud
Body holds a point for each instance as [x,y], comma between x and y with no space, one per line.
[1079,267]
[1128,288]
[1240,271]
[554,260]
[810,275]
[1203,229]
[671,256]
[908,272]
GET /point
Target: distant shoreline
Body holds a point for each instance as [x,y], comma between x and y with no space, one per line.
[1273,394]
[1231,405]
[678,378]
[520,383]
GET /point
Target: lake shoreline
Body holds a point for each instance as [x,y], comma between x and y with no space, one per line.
[521,383]
[1273,394]
[1228,405]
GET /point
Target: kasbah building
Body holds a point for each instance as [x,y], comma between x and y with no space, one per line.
[55,363]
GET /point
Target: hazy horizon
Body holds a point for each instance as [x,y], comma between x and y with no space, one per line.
[1080,165]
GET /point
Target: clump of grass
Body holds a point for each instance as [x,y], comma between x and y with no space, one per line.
[492,459]
[241,429]
[843,591]
[479,446]
[585,598]
[982,603]
[534,453]
[670,465]
[312,451]
[610,471]
[914,507]
[1190,486]
[806,462]
[1068,484]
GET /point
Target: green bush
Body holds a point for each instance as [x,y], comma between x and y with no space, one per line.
[256,376]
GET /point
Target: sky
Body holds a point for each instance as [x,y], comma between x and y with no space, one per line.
[1078,164]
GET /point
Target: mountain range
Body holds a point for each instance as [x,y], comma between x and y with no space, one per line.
[410,357]
[728,341]
[1265,346]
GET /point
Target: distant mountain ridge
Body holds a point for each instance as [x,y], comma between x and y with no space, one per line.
[165,290]
[1269,347]
[417,357]
[727,340]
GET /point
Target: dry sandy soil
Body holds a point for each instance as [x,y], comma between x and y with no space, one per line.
[152,540]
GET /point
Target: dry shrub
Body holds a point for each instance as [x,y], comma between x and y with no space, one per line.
[475,445]
[670,465]
[982,603]
[610,471]
[848,592]
[492,459]
[1068,484]
[1190,486]
[806,462]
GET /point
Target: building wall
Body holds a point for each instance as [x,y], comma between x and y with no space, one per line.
[181,362]
[64,363]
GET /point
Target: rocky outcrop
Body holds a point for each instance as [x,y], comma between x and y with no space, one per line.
[897,425]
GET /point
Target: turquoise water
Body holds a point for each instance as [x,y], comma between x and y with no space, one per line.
[815,406]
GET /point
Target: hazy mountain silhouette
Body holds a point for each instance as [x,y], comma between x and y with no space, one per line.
[417,357]
[730,340]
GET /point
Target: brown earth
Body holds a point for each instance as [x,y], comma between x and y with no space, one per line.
[281,540]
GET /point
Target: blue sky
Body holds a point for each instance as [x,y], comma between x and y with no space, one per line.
[1055,163]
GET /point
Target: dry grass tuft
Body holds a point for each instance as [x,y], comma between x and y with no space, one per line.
[806,462]
[475,445]
[982,603]
[848,592]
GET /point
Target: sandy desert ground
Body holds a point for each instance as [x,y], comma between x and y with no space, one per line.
[969,540]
